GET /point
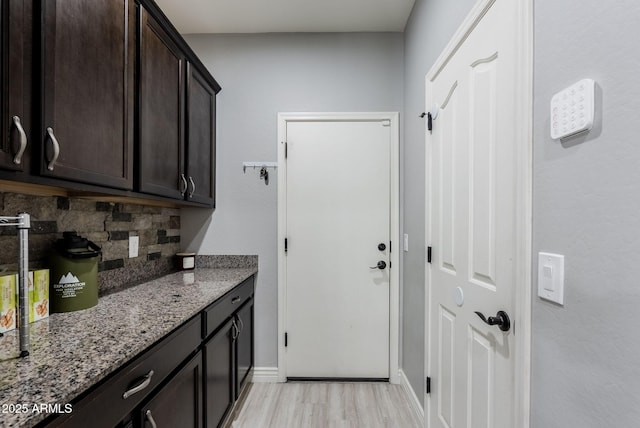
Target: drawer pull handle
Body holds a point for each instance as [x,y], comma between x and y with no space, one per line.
[146,380]
[235,300]
[150,419]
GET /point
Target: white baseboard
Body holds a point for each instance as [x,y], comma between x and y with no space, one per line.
[265,375]
[412,398]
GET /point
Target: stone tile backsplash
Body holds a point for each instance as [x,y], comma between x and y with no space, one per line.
[107,224]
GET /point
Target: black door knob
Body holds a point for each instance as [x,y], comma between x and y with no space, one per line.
[380,265]
[382,246]
[501,320]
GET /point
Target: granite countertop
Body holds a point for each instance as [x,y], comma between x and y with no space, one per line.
[73,351]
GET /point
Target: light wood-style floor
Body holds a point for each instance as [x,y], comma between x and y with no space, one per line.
[325,405]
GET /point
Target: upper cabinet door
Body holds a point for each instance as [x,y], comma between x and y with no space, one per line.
[15,78]
[88,59]
[201,144]
[161,156]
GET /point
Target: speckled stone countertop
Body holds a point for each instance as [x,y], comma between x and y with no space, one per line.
[73,351]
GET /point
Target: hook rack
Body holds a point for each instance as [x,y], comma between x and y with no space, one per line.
[264,169]
[255,165]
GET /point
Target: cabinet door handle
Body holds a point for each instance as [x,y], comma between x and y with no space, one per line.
[193,187]
[234,330]
[56,149]
[184,185]
[146,380]
[235,300]
[149,417]
[23,140]
[241,325]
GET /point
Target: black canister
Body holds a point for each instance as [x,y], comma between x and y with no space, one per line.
[74,273]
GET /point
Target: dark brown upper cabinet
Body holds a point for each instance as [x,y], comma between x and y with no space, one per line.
[177,101]
[162,103]
[201,144]
[105,97]
[15,78]
[87,53]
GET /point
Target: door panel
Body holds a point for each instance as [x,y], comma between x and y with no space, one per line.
[446,365]
[218,382]
[244,345]
[161,111]
[483,164]
[179,402]
[480,379]
[448,181]
[201,143]
[89,105]
[15,78]
[338,205]
[471,224]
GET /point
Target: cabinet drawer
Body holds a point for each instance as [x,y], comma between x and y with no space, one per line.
[106,406]
[219,311]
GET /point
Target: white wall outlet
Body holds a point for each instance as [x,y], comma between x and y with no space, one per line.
[572,109]
[134,244]
[551,277]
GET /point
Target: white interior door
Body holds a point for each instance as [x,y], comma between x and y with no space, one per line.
[472,216]
[337,214]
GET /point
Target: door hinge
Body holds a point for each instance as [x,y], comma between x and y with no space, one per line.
[390,246]
[428,254]
[429,122]
[286,339]
[286,149]
[286,245]
[428,386]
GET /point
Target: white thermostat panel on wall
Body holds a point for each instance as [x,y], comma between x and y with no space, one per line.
[572,109]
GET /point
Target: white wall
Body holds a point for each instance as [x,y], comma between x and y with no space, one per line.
[260,76]
[586,355]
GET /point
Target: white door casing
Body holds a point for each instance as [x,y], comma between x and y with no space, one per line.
[478,221]
[341,318]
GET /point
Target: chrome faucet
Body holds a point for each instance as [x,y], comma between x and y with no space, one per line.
[23,222]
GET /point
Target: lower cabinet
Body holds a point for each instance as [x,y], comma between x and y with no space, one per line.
[179,402]
[244,345]
[228,349]
[190,379]
[118,397]
[218,381]
[228,362]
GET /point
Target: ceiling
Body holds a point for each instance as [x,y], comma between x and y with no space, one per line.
[275,16]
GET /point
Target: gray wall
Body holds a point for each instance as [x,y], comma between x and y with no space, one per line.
[586,355]
[431,25]
[260,76]
[586,365]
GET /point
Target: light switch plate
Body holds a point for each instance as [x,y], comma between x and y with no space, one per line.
[551,277]
[405,242]
[572,109]
[134,243]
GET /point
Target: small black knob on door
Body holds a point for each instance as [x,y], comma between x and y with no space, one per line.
[381,265]
[382,246]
